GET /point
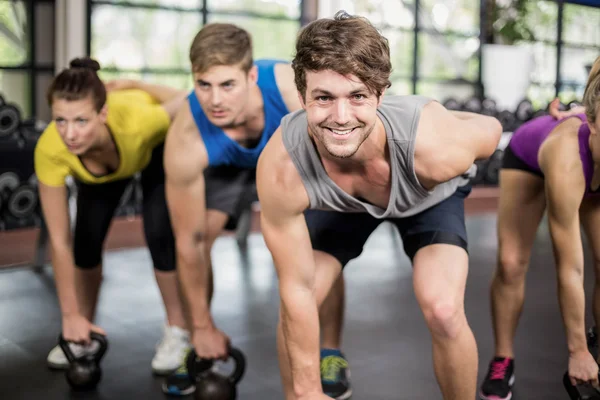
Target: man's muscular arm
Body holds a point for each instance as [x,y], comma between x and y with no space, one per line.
[283,201]
[185,161]
[449,142]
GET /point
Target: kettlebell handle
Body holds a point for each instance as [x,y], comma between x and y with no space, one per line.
[101,339]
[240,365]
[197,365]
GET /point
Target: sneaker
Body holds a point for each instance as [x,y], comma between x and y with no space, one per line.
[335,375]
[170,350]
[57,359]
[499,380]
[179,383]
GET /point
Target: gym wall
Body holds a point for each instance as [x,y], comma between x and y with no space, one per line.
[37,39]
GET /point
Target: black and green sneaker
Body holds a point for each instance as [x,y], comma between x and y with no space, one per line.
[335,375]
[179,383]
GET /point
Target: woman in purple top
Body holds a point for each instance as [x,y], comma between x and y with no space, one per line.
[550,164]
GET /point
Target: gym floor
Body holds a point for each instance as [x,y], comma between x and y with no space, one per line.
[385,337]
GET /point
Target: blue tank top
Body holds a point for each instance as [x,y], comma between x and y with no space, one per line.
[221,149]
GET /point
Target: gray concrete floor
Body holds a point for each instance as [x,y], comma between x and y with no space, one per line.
[385,337]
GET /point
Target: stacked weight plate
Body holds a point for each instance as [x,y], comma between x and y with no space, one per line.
[485,172]
[19,199]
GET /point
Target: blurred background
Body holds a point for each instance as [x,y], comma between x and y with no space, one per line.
[507,58]
[437,45]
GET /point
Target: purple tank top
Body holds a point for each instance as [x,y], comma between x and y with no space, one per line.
[527,140]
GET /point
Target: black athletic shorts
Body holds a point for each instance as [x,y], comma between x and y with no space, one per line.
[343,235]
[230,190]
[511,161]
[96,205]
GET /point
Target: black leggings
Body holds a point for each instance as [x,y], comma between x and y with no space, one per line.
[96,205]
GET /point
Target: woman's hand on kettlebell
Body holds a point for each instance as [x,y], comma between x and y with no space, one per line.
[76,329]
[211,343]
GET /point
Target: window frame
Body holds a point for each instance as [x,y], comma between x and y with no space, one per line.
[33,68]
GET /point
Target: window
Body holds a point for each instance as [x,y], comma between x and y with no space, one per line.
[401,52]
[270,38]
[15,41]
[580,47]
[435,44]
[26,51]
[139,38]
[289,9]
[447,57]
[442,91]
[581,25]
[450,15]
[441,42]
[150,39]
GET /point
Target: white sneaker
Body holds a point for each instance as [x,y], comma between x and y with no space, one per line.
[57,359]
[170,350]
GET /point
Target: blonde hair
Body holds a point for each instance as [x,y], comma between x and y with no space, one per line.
[591,96]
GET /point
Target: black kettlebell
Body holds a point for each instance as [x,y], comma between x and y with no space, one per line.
[84,372]
[211,385]
[583,391]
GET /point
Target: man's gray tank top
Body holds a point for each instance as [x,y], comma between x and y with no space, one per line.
[400,116]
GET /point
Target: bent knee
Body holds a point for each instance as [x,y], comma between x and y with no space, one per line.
[210,241]
[512,266]
[444,318]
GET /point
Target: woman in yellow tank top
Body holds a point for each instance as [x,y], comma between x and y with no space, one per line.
[102,140]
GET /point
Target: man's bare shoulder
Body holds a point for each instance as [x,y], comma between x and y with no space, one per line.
[430,113]
[429,137]
[183,124]
[278,181]
[185,153]
[284,76]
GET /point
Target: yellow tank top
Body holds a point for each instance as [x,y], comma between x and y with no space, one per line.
[138,124]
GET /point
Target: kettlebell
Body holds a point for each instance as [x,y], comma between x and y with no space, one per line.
[580,392]
[211,385]
[84,372]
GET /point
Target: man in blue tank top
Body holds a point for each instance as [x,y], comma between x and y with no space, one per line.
[350,160]
[211,153]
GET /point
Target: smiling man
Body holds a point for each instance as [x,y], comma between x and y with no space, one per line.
[349,160]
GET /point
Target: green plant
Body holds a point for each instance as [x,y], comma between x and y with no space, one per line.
[508,22]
